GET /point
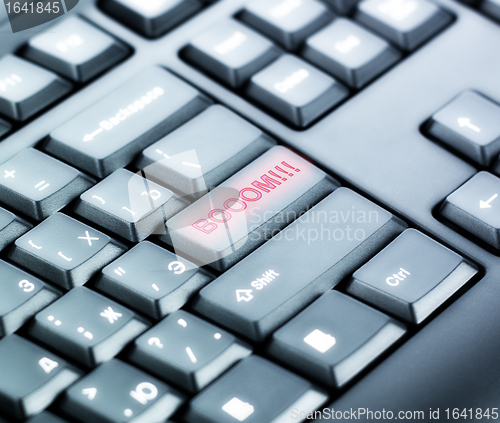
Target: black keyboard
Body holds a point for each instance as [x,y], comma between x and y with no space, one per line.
[252,211]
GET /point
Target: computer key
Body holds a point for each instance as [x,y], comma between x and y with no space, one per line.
[187,351]
[470,124]
[116,392]
[39,185]
[248,209]
[349,52]
[411,277]
[151,19]
[248,392]
[65,251]
[406,23]
[474,207]
[22,297]
[86,327]
[288,22]
[5,128]
[152,280]
[204,152]
[129,205]
[75,49]
[26,89]
[109,134]
[334,339]
[11,227]
[46,417]
[491,8]
[32,377]
[308,258]
[295,90]
[231,52]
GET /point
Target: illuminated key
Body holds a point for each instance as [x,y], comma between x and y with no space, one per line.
[248,209]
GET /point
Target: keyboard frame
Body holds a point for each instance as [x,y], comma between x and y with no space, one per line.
[386,159]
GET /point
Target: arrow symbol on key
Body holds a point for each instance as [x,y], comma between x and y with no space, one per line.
[90,137]
[465,122]
[90,393]
[487,204]
[244,295]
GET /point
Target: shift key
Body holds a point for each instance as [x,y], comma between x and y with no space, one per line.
[248,208]
[310,257]
[110,133]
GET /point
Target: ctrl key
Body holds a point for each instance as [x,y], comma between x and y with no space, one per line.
[118,392]
[254,391]
[411,277]
[30,377]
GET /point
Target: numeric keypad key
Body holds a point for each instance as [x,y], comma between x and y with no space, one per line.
[118,393]
[65,251]
[86,326]
[38,185]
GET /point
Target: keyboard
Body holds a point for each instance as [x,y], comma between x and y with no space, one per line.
[252,211]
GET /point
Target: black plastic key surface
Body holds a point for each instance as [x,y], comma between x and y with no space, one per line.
[31,377]
[46,417]
[39,185]
[474,207]
[116,392]
[187,351]
[334,339]
[152,280]
[231,52]
[295,90]
[311,256]
[406,23]
[26,88]
[86,326]
[151,19]
[491,8]
[22,297]
[75,49]
[411,277]
[108,135]
[248,208]
[65,251]
[288,22]
[5,127]
[349,52]
[223,144]
[11,227]
[470,123]
[129,205]
[248,392]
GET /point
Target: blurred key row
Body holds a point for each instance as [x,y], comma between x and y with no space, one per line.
[340,52]
[73,50]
